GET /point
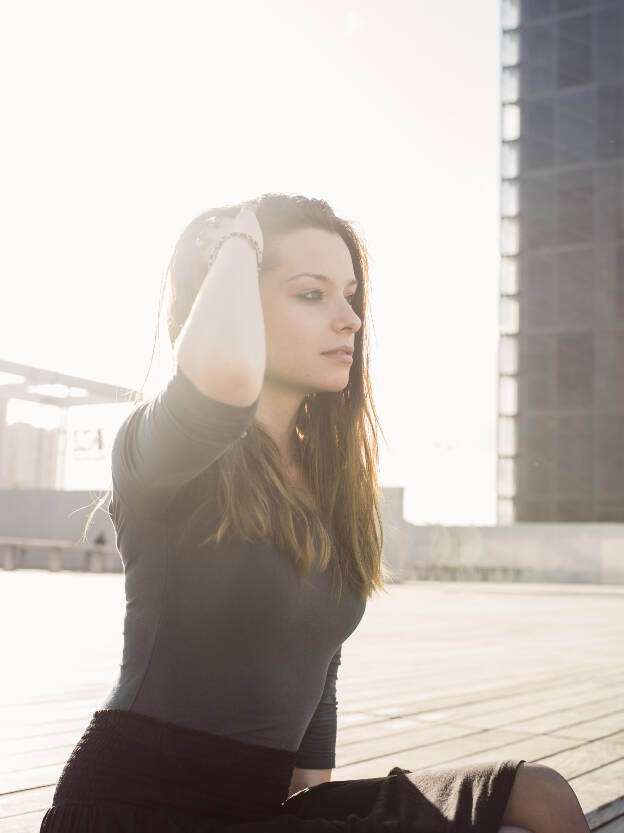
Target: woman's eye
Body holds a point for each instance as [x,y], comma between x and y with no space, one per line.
[320,294]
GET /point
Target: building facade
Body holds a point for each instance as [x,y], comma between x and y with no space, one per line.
[30,457]
[560,429]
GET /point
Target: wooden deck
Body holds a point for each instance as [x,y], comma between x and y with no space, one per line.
[437,673]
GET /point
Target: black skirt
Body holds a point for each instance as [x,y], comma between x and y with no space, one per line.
[130,773]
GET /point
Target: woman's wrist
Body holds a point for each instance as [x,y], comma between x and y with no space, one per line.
[239,241]
[302,778]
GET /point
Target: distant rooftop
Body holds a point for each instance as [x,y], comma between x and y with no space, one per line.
[49,387]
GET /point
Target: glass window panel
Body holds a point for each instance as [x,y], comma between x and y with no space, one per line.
[575,370]
[509,313]
[536,370]
[576,127]
[618,287]
[611,455]
[610,122]
[509,197]
[535,511]
[506,477]
[575,50]
[536,147]
[537,289]
[574,511]
[609,512]
[539,266]
[510,160]
[537,216]
[510,48]
[610,284]
[510,14]
[511,122]
[571,5]
[507,436]
[532,9]
[537,455]
[609,35]
[610,370]
[575,206]
[505,511]
[509,276]
[508,354]
[507,395]
[575,455]
[537,61]
[576,285]
[510,82]
[509,236]
[609,179]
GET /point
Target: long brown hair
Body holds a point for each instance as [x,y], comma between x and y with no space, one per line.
[335,432]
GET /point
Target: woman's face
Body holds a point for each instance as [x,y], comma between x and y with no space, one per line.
[306,316]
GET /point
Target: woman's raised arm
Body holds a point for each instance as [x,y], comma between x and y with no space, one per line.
[211,399]
[222,347]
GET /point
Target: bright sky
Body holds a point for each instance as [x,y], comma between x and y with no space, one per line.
[124,120]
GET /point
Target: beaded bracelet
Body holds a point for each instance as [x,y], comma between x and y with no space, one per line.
[243,234]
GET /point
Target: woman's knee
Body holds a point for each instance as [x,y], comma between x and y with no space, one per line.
[537,797]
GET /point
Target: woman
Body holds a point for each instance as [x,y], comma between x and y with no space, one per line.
[246,506]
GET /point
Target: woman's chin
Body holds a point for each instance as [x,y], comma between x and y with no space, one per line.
[334,386]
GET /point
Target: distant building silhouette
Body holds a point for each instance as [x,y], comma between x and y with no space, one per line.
[561,349]
[29,458]
[34,458]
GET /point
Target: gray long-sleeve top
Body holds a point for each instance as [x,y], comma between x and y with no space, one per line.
[225,638]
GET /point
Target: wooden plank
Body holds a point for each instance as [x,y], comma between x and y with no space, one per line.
[43,776]
[37,714]
[50,740]
[475,699]
[366,729]
[600,787]
[395,686]
[26,801]
[418,742]
[493,745]
[615,826]
[453,707]
[15,733]
[546,715]
[431,732]
[585,758]
[569,723]
[434,676]
[25,823]
[607,816]
[594,729]
[55,695]
[35,759]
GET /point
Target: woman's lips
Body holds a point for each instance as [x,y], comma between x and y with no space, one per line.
[340,356]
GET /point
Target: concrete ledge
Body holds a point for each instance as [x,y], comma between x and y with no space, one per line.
[46,554]
[572,552]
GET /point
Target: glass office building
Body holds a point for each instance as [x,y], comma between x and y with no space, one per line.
[561,350]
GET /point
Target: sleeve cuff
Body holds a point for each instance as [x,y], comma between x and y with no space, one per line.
[314,762]
[201,413]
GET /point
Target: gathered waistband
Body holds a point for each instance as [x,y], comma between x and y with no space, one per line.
[131,757]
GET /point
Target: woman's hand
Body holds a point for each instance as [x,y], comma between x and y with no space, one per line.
[302,778]
[214,228]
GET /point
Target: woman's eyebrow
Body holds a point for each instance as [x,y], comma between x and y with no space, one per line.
[319,277]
